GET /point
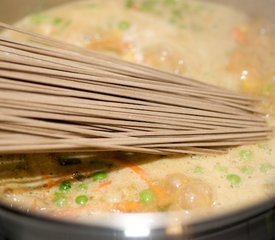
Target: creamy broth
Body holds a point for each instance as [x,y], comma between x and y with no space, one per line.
[209,42]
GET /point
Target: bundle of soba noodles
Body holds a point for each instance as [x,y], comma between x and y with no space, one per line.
[59,97]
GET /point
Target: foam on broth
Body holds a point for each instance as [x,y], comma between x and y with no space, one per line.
[209,42]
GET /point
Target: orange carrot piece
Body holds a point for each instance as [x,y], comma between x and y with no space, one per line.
[240,36]
[60,180]
[129,206]
[34,204]
[112,44]
[70,212]
[144,176]
[51,182]
[104,184]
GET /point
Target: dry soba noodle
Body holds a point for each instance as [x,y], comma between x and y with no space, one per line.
[209,42]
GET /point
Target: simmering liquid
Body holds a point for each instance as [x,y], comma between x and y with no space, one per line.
[205,41]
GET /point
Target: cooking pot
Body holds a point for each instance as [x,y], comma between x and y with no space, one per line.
[254,222]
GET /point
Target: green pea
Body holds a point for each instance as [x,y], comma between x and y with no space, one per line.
[247,169]
[266,167]
[233,179]
[65,186]
[198,170]
[59,199]
[124,25]
[82,199]
[99,176]
[245,154]
[146,196]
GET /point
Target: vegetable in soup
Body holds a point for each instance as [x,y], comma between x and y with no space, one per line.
[206,41]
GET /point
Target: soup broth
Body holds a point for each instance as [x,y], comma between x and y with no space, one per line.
[201,40]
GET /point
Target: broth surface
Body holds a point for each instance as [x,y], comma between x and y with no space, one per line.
[205,41]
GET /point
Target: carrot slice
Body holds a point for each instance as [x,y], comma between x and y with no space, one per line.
[129,206]
[34,204]
[51,182]
[69,212]
[114,44]
[240,36]
[144,176]
[104,184]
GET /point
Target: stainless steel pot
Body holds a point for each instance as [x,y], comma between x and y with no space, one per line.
[257,222]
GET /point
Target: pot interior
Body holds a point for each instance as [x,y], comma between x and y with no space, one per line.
[12,10]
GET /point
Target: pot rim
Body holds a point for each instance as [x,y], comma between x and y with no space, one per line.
[144,223]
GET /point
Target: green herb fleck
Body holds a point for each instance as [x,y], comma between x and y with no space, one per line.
[221,168]
[198,170]
[245,154]
[38,19]
[266,167]
[146,196]
[82,187]
[267,89]
[129,3]
[124,25]
[170,3]
[58,21]
[61,23]
[176,13]
[247,169]
[182,26]
[265,147]
[59,199]
[65,186]
[99,176]
[186,7]
[92,5]
[199,8]
[82,199]
[148,5]
[233,179]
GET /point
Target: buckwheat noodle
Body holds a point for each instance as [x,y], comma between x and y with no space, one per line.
[56,97]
